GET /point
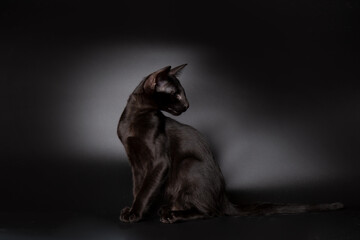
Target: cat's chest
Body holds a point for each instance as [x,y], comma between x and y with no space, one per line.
[140,126]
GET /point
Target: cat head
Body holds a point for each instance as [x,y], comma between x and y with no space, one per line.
[164,87]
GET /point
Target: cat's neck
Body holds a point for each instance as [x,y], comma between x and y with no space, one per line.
[140,101]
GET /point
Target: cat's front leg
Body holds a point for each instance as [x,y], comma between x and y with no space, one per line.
[127,215]
[151,183]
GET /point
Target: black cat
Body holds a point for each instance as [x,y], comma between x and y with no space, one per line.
[173,160]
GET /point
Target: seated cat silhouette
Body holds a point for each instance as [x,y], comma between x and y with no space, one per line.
[173,160]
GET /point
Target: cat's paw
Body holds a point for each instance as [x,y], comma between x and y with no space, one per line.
[128,215]
[164,210]
[168,217]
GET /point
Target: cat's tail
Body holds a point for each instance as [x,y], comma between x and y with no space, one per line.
[265,209]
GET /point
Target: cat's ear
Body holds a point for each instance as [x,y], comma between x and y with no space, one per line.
[176,71]
[155,78]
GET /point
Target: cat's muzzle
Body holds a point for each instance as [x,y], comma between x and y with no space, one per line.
[177,112]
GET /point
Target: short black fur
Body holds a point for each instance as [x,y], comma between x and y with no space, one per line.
[173,160]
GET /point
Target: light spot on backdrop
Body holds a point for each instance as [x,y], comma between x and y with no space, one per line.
[99,86]
[251,151]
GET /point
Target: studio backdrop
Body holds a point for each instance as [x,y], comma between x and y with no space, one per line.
[273,88]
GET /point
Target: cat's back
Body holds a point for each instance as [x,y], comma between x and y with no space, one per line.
[175,129]
[185,139]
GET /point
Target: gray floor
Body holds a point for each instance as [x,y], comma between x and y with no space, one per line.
[82,201]
[344,224]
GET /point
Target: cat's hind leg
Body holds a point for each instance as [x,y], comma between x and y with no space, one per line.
[169,216]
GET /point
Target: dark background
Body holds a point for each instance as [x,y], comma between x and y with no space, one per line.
[271,84]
